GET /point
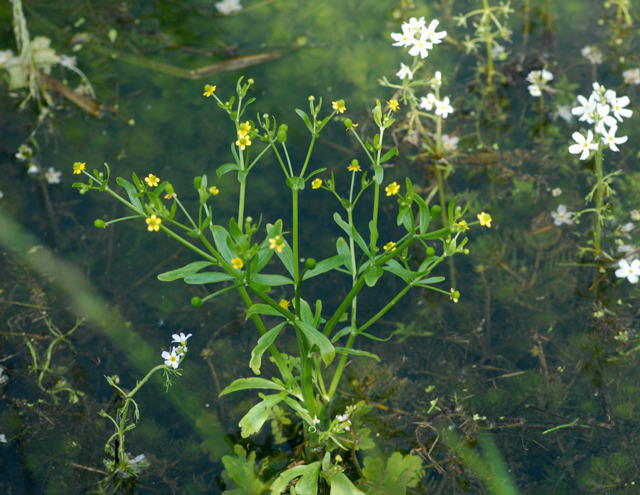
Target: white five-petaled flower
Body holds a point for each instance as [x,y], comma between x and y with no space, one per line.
[450,143]
[586,109]
[421,47]
[443,108]
[404,72]
[405,38]
[534,90]
[226,7]
[592,54]
[436,81]
[562,216]
[171,358]
[428,102]
[630,271]
[583,145]
[180,338]
[602,113]
[631,76]
[430,32]
[610,139]
[52,175]
[618,107]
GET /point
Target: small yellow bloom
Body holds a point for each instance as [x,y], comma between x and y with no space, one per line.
[170,195]
[339,106]
[153,223]
[484,219]
[392,189]
[237,263]
[463,225]
[389,246]
[209,89]
[78,167]
[244,128]
[316,183]
[243,142]
[354,166]
[277,243]
[455,295]
[214,191]
[393,105]
[152,180]
[283,303]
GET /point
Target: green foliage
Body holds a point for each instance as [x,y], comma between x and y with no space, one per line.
[241,473]
[391,475]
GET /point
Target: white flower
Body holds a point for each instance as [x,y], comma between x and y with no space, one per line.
[52,175]
[635,214]
[546,75]
[421,47]
[602,114]
[556,191]
[610,139]
[343,417]
[24,153]
[629,271]
[430,32]
[180,338]
[414,25]
[561,216]
[534,90]
[315,421]
[405,38]
[33,168]
[498,52]
[618,106]
[226,7]
[564,112]
[405,71]
[625,248]
[443,108]
[428,102]
[171,358]
[627,227]
[586,108]
[592,54]
[450,143]
[3,438]
[631,76]
[583,146]
[436,81]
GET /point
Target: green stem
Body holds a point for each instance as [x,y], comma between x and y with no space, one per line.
[600,191]
[489,45]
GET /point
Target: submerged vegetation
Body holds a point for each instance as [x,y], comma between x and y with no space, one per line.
[401,258]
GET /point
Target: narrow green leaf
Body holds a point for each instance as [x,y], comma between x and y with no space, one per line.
[338,335]
[389,154]
[184,271]
[262,309]
[305,119]
[344,253]
[220,238]
[207,278]
[372,275]
[316,338]
[340,485]
[263,344]
[431,280]
[271,280]
[250,384]
[351,232]
[131,191]
[357,352]
[324,266]
[226,168]
[256,416]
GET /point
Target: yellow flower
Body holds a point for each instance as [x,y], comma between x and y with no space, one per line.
[389,246]
[244,128]
[277,243]
[463,225]
[237,263]
[209,89]
[152,180]
[354,166]
[78,167]
[214,191]
[283,303]
[484,219]
[170,195]
[455,295]
[339,106]
[153,223]
[392,189]
[316,183]
[243,142]
[393,105]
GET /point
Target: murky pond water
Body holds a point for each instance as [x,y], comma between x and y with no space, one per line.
[539,353]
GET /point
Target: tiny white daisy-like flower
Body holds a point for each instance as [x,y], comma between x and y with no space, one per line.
[436,81]
[180,338]
[226,7]
[586,108]
[52,175]
[33,168]
[534,90]
[546,75]
[562,216]
[632,76]
[421,47]
[171,358]
[556,191]
[610,139]
[415,25]
[405,38]
[430,32]
[315,421]
[3,438]
[583,145]
[404,72]
[635,214]
[592,54]
[618,107]
[450,143]
[630,271]
[443,108]
[602,114]
[627,227]
[427,102]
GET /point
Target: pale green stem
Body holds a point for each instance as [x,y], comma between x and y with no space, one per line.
[600,191]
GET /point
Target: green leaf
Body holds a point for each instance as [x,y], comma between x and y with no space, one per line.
[220,238]
[372,274]
[344,253]
[341,485]
[397,269]
[389,154]
[262,309]
[226,168]
[357,352]
[395,476]
[241,473]
[351,232]
[250,384]
[341,333]
[424,217]
[132,192]
[327,351]
[256,416]
[308,472]
[323,266]
[430,280]
[305,118]
[378,174]
[264,342]
[271,280]
[207,278]
[186,270]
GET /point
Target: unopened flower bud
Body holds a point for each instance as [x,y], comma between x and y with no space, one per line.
[99,224]
[435,210]
[348,123]
[430,251]
[310,263]
[282,133]
[196,302]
